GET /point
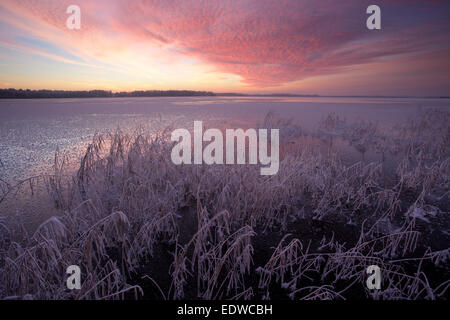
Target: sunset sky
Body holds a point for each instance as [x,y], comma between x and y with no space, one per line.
[257,46]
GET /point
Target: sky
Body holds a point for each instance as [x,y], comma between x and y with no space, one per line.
[255,46]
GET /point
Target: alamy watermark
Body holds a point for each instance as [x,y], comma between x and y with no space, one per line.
[374,279]
[74,280]
[73,22]
[235,147]
[373,22]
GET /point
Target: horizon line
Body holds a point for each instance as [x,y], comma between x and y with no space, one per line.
[116,94]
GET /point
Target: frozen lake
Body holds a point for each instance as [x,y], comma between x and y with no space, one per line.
[32,130]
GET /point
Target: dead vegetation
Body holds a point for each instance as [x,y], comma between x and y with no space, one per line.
[141,227]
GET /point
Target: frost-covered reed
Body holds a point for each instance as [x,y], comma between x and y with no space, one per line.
[142,227]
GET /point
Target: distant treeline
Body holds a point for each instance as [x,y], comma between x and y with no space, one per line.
[45,94]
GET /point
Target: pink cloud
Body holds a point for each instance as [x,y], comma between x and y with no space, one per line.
[266,43]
